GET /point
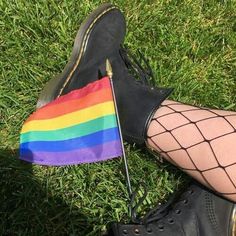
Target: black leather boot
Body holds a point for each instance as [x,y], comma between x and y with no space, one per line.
[198,212]
[98,38]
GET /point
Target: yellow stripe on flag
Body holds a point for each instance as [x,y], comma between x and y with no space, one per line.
[78,117]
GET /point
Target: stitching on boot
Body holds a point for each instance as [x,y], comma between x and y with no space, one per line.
[211,213]
[83,47]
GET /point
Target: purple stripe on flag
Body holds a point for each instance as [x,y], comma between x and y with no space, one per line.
[86,155]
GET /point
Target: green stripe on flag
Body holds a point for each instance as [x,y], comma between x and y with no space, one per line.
[76,131]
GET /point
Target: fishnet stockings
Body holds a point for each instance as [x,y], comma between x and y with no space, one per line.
[200,141]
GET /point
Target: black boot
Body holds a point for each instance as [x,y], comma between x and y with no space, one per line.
[198,212]
[98,38]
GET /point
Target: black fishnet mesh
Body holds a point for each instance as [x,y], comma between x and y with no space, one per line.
[204,139]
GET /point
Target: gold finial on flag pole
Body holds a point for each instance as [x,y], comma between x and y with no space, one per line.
[110,75]
[109,69]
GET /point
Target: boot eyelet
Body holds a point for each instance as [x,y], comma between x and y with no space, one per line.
[125,232]
[171,221]
[136,231]
[149,230]
[161,227]
[191,191]
[177,211]
[185,202]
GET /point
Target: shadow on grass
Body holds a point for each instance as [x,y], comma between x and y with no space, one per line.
[29,208]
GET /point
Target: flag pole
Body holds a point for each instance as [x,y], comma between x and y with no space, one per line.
[110,75]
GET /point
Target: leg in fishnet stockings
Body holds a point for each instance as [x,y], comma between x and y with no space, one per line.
[200,141]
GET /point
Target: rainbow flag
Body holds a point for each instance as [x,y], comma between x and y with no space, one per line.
[79,127]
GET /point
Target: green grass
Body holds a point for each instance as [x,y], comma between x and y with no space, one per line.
[191,46]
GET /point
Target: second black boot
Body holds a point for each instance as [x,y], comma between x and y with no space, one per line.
[198,212]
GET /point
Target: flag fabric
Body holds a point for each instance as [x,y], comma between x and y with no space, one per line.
[79,127]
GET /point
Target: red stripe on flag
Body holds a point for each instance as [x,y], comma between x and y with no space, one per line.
[90,88]
[91,99]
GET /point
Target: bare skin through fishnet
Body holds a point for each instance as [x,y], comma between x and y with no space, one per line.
[200,141]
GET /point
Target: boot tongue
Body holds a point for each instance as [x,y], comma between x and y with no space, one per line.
[135,67]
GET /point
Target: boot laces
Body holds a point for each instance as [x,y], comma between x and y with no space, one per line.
[162,212]
[133,64]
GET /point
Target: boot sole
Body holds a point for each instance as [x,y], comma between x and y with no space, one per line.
[80,43]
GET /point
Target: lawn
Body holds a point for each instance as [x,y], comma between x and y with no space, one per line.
[191,46]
